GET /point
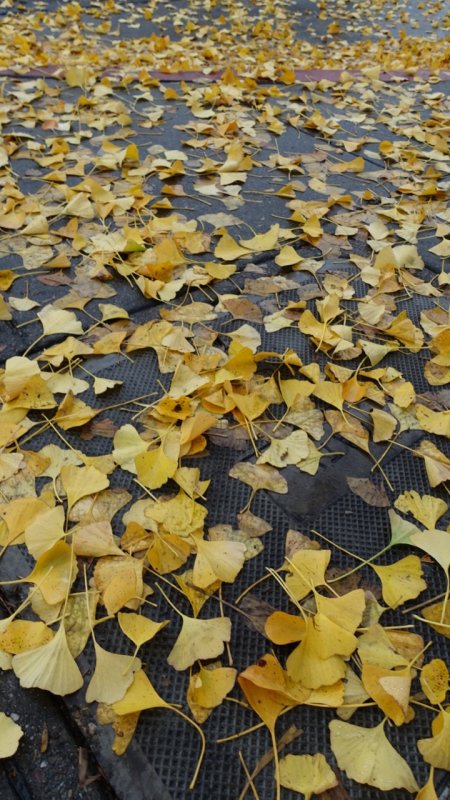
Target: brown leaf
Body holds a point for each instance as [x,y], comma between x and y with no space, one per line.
[372,494]
[102,427]
[241,308]
[256,611]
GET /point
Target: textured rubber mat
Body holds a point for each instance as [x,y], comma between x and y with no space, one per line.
[322,503]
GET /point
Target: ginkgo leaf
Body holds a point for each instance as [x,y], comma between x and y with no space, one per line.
[307,570]
[262,241]
[127,446]
[436,750]
[436,543]
[283,628]
[438,616]
[79,482]
[58,320]
[102,385]
[229,250]
[315,662]
[375,647]
[437,464]
[401,581]
[289,450]
[354,695]
[384,425]
[199,638]
[428,792]
[434,680]
[155,467]
[119,580]
[45,530]
[23,634]
[138,628]
[54,572]
[433,421]
[402,531]
[306,774]
[346,610]
[77,622]
[331,393]
[390,689]
[259,476]
[94,540]
[217,560]
[10,736]
[50,666]
[139,696]
[207,689]
[367,756]
[427,509]
[112,676]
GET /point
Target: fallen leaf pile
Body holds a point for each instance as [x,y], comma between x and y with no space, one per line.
[213,283]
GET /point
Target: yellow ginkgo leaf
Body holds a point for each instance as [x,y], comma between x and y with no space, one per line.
[436,543]
[73,413]
[139,696]
[112,676]
[94,540]
[433,421]
[289,450]
[367,756]
[10,463]
[138,628]
[306,774]
[437,464]
[45,530]
[262,241]
[197,597]
[401,581]
[198,639]
[229,250]
[384,425]
[438,616]
[77,622]
[79,482]
[346,610]
[307,570]
[390,689]
[23,634]
[284,628]
[434,679]
[354,695]
[427,509]
[436,750]
[330,393]
[58,320]
[54,573]
[217,560]
[315,662]
[428,792]
[119,580]
[375,647]
[259,476]
[155,467]
[208,688]
[10,736]
[50,666]
[102,385]
[127,446]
